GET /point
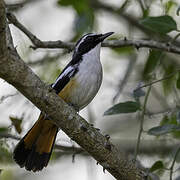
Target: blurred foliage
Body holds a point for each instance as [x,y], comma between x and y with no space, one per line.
[7,175]
[124,50]
[161,130]
[125,107]
[171,120]
[160,24]
[16,122]
[158,168]
[157,165]
[169,5]
[144,23]
[5,154]
[151,64]
[4,129]
[169,84]
[178,81]
[84,21]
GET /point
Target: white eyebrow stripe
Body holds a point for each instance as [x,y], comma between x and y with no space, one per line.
[68,71]
[82,40]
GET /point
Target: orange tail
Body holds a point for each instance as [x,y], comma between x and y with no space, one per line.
[34,149]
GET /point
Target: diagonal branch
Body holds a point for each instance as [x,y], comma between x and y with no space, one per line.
[37,42]
[18,74]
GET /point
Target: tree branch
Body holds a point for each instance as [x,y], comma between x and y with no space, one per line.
[19,5]
[143,43]
[114,43]
[37,42]
[18,74]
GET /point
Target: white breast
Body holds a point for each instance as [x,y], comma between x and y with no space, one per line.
[89,78]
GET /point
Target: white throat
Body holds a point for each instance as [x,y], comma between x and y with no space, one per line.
[89,77]
[93,54]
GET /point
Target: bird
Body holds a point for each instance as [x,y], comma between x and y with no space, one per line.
[77,85]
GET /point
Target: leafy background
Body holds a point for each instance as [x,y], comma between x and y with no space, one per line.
[141,117]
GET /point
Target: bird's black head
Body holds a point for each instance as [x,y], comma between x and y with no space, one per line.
[88,42]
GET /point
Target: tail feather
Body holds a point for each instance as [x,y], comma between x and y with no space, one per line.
[34,149]
[36,161]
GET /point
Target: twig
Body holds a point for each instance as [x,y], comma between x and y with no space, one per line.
[143,43]
[68,148]
[142,122]
[15,6]
[7,135]
[173,163]
[159,80]
[7,96]
[142,4]
[114,43]
[19,5]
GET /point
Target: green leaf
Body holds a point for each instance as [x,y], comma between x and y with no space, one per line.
[160,130]
[156,166]
[172,119]
[151,63]
[125,107]
[160,24]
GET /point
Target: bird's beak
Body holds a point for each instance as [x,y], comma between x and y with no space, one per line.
[104,36]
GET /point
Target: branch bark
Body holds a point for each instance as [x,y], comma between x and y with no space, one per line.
[18,74]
